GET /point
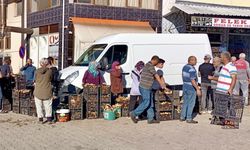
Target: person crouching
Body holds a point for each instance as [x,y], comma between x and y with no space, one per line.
[43,91]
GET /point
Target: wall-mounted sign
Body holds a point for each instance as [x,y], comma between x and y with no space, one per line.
[220,22]
[22,52]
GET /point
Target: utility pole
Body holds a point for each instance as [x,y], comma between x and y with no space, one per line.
[63,16]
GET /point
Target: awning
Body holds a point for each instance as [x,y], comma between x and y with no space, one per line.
[201,9]
[87,30]
[109,22]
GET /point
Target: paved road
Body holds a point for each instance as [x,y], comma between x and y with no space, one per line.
[19,132]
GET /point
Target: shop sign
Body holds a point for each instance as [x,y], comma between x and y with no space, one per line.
[220,22]
[54,39]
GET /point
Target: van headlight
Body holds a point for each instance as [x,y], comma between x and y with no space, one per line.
[71,78]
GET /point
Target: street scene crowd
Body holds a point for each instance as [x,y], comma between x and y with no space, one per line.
[225,74]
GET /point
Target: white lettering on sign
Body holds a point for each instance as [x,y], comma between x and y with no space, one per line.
[230,23]
[53,39]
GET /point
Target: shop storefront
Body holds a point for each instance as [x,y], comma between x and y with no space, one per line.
[43,46]
[230,34]
[227,27]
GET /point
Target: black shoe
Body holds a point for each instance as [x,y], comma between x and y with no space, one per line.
[192,121]
[40,120]
[181,120]
[153,121]
[133,117]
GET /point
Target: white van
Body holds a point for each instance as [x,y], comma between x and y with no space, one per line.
[129,48]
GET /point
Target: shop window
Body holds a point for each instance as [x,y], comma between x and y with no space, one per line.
[39,5]
[19,9]
[1,43]
[54,3]
[83,1]
[214,38]
[53,28]
[44,30]
[117,3]
[149,4]
[102,2]
[42,5]
[1,60]
[133,3]
[8,42]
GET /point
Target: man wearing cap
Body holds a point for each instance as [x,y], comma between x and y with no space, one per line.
[206,69]
[243,77]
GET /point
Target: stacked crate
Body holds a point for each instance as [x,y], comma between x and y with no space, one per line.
[16,101]
[105,98]
[23,102]
[164,107]
[26,101]
[176,104]
[32,106]
[76,107]
[91,96]
[20,81]
[20,85]
[124,103]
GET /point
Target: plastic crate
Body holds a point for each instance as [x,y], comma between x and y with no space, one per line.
[92,106]
[32,103]
[92,115]
[165,106]
[32,112]
[125,112]
[160,96]
[20,82]
[177,113]
[76,114]
[16,109]
[24,110]
[105,98]
[91,89]
[165,116]
[105,89]
[75,101]
[228,107]
[92,98]
[176,94]
[25,102]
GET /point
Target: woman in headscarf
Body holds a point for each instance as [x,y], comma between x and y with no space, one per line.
[116,80]
[93,75]
[135,94]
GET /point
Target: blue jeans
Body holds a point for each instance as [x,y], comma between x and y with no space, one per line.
[146,103]
[189,97]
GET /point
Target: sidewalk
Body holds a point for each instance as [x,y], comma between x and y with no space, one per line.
[19,132]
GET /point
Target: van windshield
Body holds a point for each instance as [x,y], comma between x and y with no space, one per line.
[91,54]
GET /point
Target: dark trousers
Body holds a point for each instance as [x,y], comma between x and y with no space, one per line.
[6,89]
[134,101]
